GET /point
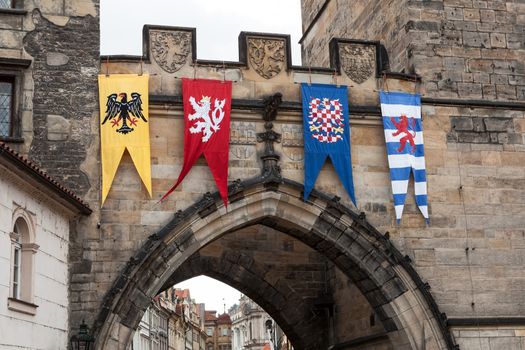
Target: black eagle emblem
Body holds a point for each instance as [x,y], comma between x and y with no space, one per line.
[126,111]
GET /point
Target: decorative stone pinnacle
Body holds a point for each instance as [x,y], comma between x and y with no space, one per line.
[271,169]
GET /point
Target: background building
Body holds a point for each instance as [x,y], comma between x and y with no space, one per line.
[253,328]
[172,321]
[218,331]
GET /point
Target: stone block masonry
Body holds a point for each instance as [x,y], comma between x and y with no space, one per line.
[462,49]
[65,92]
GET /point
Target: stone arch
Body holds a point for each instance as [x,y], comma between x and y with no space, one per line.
[273,299]
[26,223]
[385,278]
[23,249]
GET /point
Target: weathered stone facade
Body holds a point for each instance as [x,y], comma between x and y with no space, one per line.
[61,43]
[50,50]
[470,55]
[466,49]
[382,291]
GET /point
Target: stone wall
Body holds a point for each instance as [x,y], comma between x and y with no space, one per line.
[370,20]
[472,253]
[462,49]
[58,90]
[475,187]
[470,50]
[53,46]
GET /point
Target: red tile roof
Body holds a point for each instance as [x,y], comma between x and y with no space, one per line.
[224,318]
[182,293]
[41,176]
[210,315]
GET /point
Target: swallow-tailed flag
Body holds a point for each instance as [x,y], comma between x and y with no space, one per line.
[326,134]
[404,144]
[124,124]
[207,107]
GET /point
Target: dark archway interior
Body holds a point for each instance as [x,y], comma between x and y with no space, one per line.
[311,299]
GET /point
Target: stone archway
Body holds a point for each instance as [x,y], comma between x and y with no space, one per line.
[383,276]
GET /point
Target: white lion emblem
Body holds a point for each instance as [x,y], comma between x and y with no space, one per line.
[209,123]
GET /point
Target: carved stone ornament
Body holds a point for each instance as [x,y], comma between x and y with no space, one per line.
[266,56]
[170,49]
[358,61]
[292,135]
[242,133]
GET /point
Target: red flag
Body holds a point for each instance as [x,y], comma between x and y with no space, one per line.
[207,107]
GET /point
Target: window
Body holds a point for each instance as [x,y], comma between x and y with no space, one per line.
[6,105]
[209,331]
[7,4]
[11,81]
[23,249]
[224,331]
[17,253]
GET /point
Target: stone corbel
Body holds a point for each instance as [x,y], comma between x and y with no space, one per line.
[14,237]
[33,247]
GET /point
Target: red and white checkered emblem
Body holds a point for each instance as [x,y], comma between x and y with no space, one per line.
[326,120]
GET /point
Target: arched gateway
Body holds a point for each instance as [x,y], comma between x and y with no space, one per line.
[383,276]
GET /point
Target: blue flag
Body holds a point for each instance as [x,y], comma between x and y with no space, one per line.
[404,144]
[326,133]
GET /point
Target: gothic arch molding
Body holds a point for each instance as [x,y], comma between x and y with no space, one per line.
[384,277]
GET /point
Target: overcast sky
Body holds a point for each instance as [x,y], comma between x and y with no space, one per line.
[218,26]
[213,293]
[218,23]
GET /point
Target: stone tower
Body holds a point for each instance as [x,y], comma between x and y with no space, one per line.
[330,274]
[470,56]
[461,49]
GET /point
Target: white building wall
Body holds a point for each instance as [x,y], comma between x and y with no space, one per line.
[48,328]
[248,325]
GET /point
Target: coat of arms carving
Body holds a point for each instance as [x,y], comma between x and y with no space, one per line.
[266,56]
[170,49]
[358,61]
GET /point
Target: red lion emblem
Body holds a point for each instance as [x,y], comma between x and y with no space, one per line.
[402,128]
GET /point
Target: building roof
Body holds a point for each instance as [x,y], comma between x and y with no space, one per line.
[30,171]
[182,293]
[224,318]
[210,315]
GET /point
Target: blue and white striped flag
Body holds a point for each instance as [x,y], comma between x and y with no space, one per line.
[404,144]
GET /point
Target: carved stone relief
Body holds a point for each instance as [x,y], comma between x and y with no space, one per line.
[242,133]
[292,135]
[292,141]
[242,139]
[358,61]
[170,49]
[266,56]
[242,152]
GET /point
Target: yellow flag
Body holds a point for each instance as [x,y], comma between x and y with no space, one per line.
[124,124]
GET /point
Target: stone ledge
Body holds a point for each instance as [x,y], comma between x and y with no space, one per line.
[14,62]
[21,306]
[12,139]
[485,321]
[16,12]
